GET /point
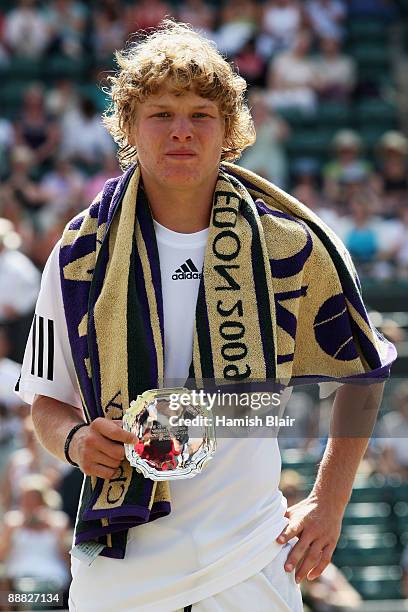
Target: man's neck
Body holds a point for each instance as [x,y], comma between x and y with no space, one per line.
[184,211]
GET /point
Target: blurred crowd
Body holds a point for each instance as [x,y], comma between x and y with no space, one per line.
[55,156]
[381,483]
[55,153]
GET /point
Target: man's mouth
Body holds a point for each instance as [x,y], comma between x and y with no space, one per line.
[181,154]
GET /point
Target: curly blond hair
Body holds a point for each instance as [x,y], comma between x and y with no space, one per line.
[181,59]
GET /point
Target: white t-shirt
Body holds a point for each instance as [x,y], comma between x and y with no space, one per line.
[224,522]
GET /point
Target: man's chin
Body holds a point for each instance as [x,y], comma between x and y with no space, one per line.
[182,178]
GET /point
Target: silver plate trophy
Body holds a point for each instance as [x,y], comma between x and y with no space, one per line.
[166,449]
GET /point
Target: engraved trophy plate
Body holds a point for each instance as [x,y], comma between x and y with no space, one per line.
[165,449]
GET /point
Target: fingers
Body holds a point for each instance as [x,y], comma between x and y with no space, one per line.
[323,563]
[106,460]
[316,538]
[310,560]
[113,430]
[102,471]
[290,531]
[100,448]
[297,553]
[92,460]
[116,450]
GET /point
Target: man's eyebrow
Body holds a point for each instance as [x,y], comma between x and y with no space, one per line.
[196,106]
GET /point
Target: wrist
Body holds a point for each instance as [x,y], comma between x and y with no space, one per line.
[70,446]
[334,501]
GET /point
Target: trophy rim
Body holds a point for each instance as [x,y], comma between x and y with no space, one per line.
[195,465]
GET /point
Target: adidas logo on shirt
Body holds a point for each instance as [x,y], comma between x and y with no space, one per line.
[186,271]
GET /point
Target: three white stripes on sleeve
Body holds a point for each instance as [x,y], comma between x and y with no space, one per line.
[42,347]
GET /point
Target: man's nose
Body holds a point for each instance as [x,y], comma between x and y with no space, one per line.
[181,129]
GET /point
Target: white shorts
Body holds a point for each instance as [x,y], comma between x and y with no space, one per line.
[271,590]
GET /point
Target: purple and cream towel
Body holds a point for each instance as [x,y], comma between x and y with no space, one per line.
[279,301]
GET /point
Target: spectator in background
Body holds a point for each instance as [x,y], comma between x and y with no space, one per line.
[281,22]
[35,128]
[251,64]
[360,233]
[62,189]
[392,174]
[145,14]
[45,240]
[395,240]
[355,184]
[69,489]
[326,17]
[109,29]
[9,431]
[347,164]
[110,167]
[22,195]
[199,14]
[401,242]
[305,172]
[337,72]
[62,99]
[35,538]
[29,459]
[19,287]
[6,142]
[4,53]
[267,156]
[8,371]
[66,22]
[239,23]
[84,138]
[307,190]
[393,245]
[393,433]
[26,31]
[10,405]
[292,80]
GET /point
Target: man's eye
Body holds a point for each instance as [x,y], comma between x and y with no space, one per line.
[200,115]
[163,114]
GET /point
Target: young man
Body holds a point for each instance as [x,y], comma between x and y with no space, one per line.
[175,272]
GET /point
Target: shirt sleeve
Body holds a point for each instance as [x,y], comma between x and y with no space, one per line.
[48,368]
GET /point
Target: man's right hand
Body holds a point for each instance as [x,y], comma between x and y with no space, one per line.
[98,448]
